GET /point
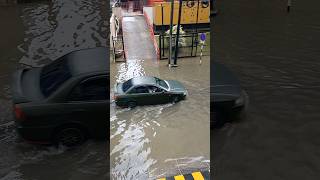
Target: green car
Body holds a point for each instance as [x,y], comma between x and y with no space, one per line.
[147,90]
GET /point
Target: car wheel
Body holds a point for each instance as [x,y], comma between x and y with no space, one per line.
[70,136]
[132,104]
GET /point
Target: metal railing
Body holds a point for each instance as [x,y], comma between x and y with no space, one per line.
[189,45]
[118,48]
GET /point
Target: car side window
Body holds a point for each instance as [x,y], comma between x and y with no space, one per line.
[90,90]
[154,89]
[139,90]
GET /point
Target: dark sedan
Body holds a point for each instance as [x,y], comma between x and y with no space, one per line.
[66,101]
[147,90]
[228,99]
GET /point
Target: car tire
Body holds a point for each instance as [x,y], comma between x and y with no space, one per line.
[70,136]
[132,104]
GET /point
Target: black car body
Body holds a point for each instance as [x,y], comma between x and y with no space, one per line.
[148,90]
[67,98]
[228,99]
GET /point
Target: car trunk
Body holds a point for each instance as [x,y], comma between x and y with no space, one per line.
[224,85]
[25,85]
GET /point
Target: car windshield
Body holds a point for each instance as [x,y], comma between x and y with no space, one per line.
[162,83]
[126,85]
[53,76]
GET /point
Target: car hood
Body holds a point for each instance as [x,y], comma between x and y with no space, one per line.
[224,84]
[176,86]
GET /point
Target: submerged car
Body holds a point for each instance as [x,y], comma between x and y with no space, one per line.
[64,102]
[228,99]
[147,90]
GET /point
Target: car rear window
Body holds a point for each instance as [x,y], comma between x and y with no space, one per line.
[53,76]
[126,85]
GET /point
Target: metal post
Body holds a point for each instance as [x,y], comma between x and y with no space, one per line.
[178,33]
[288,5]
[192,44]
[114,49]
[197,20]
[162,33]
[162,27]
[170,36]
[124,52]
[160,44]
[197,35]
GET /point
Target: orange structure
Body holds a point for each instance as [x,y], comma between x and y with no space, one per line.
[151,2]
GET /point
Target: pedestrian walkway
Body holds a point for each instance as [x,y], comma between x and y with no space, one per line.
[137,40]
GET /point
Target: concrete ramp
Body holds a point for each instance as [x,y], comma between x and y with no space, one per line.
[137,40]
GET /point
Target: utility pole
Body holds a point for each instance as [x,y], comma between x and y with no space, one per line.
[178,34]
[170,36]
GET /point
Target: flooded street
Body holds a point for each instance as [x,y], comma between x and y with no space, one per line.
[276,57]
[35,34]
[150,142]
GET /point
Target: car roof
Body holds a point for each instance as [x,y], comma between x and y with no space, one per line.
[86,61]
[143,80]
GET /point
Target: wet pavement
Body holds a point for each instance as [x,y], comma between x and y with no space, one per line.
[276,57]
[35,34]
[158,141]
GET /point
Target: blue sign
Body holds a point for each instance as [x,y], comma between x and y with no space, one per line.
[203,36]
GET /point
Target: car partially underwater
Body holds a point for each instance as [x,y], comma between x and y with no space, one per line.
[64,102]
[228,100]
[148,90]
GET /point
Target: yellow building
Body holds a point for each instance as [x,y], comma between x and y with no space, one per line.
[191,14]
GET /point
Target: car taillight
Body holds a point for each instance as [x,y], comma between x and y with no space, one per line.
[19,113]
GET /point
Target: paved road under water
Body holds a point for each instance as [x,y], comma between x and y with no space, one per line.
[276,57]
[162,140]
[36,34]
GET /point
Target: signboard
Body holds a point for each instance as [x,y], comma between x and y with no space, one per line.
[203,36]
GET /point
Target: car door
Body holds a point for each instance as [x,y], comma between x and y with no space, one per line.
[159,95]
[89,101]
[141,95]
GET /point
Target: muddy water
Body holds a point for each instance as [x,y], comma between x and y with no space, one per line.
[276,56]
[162,140]
[35,34]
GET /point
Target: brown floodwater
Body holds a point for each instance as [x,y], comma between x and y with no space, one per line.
[276,57]
[162,140]
[35,34]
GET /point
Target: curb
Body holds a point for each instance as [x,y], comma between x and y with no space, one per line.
[152,35]
[198,175]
